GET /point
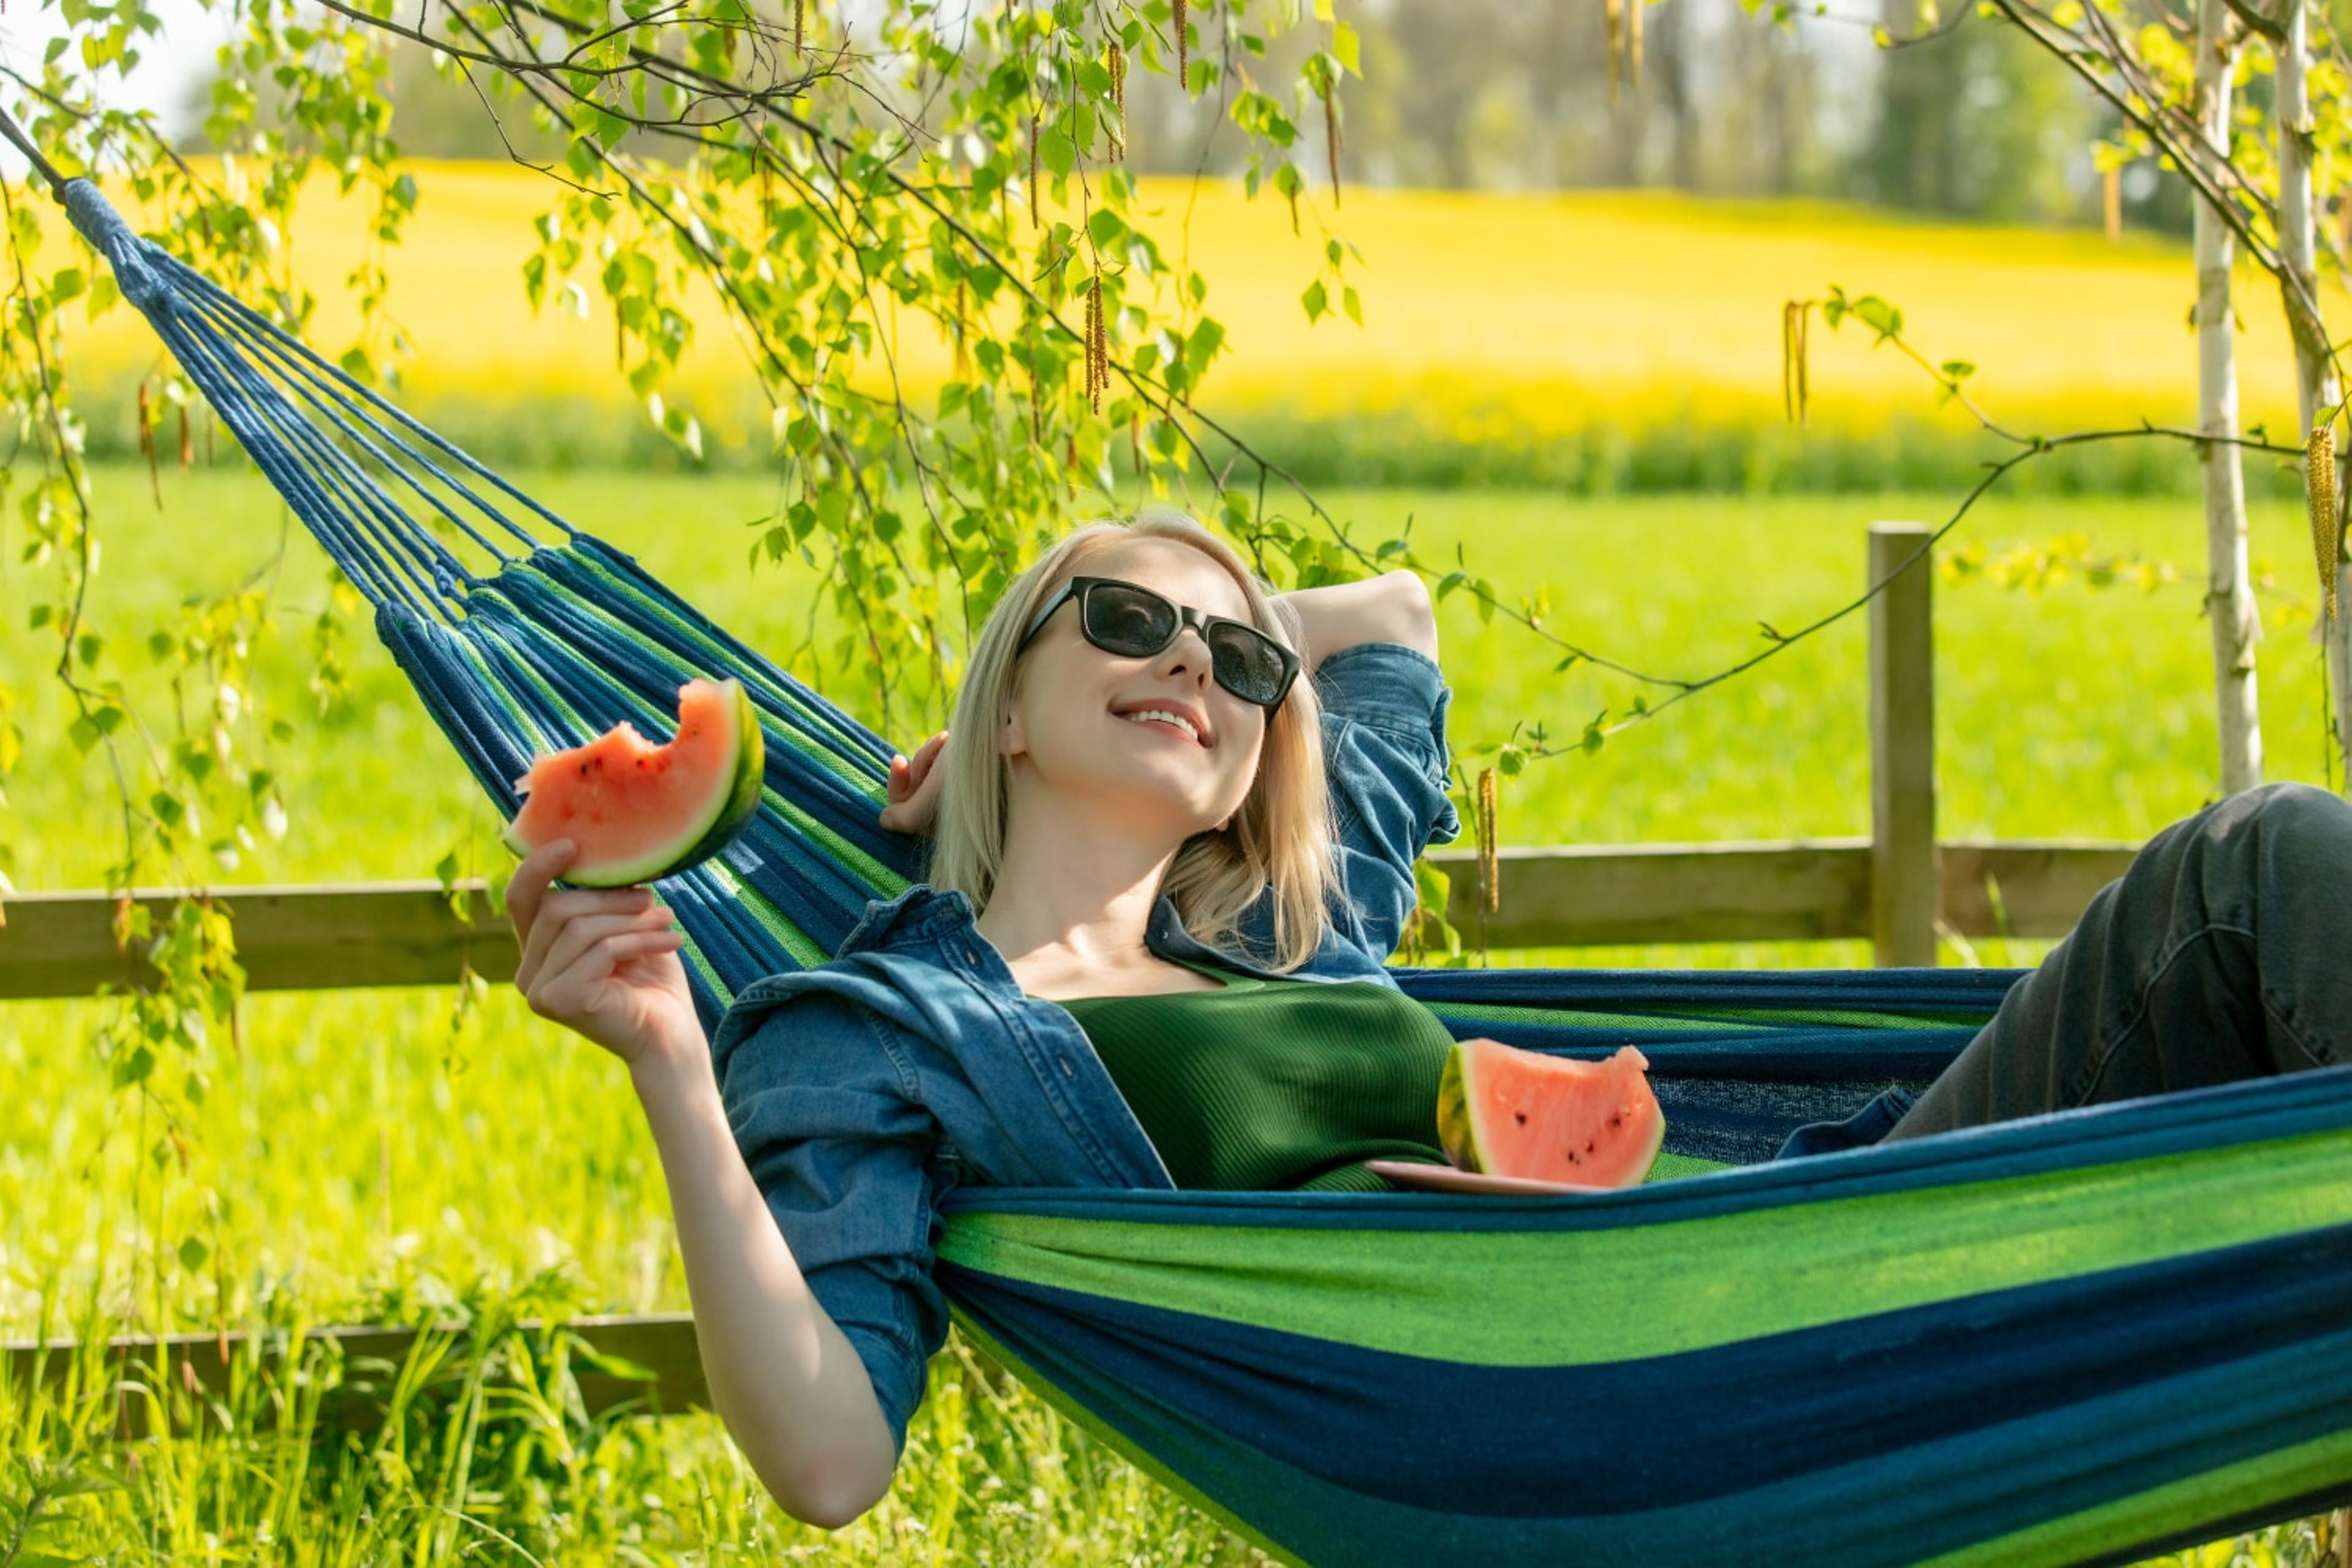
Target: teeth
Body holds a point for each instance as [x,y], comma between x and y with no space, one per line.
[1144,715]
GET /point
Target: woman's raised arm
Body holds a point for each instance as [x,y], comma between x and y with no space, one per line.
[1393,608]
[791,1387]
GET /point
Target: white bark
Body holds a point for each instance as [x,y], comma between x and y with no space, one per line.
[2229,596]
[2315,383]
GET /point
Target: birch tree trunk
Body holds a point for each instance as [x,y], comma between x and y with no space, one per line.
[2229,596]
[2315,383]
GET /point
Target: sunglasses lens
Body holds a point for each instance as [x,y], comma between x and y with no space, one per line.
[1130,621]
[1247,664]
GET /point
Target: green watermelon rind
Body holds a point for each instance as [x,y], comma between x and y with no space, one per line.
[739,806]
[744,800]
[1457,1129]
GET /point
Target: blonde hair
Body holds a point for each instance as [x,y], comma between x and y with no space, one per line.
[1280,838]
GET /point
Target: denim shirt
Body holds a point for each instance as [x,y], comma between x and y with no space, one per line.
[862,1092]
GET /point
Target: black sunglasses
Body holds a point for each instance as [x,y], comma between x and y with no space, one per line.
[1133,622]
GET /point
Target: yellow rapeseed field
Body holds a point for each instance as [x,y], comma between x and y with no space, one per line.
[1484,313]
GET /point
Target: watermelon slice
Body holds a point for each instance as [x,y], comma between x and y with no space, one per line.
[641,812]
[1508,1112]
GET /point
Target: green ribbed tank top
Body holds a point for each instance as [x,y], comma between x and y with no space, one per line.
[1271,1084]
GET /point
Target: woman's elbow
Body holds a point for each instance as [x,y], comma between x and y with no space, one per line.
[1408,615]
[832,1490]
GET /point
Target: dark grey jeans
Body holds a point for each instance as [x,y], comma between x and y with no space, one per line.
[2225,951]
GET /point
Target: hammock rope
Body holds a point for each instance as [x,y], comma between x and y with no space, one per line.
[2080,1338]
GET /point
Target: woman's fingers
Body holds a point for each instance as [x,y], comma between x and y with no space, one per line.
[914,789]
[560,907]
[527,886]
[583,931]
[907,774]
[567,993]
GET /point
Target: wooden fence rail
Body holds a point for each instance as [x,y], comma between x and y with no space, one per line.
[649,1363]
[1898,887]
[407,934]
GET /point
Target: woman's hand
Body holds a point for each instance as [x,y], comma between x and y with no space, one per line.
[600,961]
[915,788]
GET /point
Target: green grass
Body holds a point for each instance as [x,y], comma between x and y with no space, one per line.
[372,1154]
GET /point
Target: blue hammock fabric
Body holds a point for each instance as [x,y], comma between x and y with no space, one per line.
[2080,1338]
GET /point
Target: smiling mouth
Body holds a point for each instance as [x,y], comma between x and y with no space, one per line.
[1163,716]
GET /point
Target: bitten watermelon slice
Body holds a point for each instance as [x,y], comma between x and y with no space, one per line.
[1508,1112]
[641,812]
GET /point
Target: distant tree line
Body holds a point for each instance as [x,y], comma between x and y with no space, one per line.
[1971,121]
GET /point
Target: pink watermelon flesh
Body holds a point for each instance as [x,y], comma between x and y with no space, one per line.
[1509,1112]
[638,811]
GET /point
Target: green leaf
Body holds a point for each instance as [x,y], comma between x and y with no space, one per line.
[1345,46]
[1317,301]
[1059,153]
[133,1068]
[1880,316]
[194,1254]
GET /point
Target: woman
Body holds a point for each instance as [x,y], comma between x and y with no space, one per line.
[1171,860]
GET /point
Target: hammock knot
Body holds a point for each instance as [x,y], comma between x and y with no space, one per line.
[103,227]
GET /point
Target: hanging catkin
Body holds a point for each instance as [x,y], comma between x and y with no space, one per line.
[962,332]
[799,17]
[1033,172]
[1097,346]
[1794,386]
[1331,129]
[187,442]
[1183,61]
[1119,99]
[2319,488]
[147,443]
[1490,864]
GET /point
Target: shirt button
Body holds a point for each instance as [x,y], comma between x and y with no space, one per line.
[972,955]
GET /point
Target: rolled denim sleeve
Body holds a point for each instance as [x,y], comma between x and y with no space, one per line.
[1384,748]
[841,1147]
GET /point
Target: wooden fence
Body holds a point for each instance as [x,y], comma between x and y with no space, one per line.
[1898,887]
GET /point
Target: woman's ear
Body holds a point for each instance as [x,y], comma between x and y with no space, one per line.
[1012,739]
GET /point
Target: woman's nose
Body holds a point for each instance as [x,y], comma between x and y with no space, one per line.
[1188,653]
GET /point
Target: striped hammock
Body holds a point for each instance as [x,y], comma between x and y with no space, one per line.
[2079,1338]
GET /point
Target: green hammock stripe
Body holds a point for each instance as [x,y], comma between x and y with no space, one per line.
[2249,1487]
[804,950]
[1571,1298]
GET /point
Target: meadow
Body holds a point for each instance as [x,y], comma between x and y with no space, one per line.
[1600,343]
[1582,392]
[406,1153]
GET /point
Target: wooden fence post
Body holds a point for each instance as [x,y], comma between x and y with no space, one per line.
[1902,748]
